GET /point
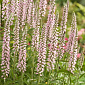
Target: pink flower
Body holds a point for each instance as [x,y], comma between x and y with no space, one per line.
[81,32]
[66,39]
[64,47]
[28,43]
[49,45]
[78,55]
[79,37]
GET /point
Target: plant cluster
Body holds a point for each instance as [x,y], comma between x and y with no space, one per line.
[51,59]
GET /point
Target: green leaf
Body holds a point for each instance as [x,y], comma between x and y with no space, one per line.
[82,75]
[30,31]
[2,27]
[81,7]
[64,60]
[65,71]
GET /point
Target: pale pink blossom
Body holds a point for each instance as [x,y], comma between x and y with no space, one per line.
[78,55]
[81,32]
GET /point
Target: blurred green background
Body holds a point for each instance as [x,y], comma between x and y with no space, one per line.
[61,2]
[78,6]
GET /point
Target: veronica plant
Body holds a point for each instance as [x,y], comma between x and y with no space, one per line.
[48,58]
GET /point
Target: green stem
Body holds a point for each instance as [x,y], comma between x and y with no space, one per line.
[33,64]
[32,77]
[57,66]
[39,79]
[4,82]
[22,78]
[70,79]
[32,67]
[14,66]
[78,76]
[49,76]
